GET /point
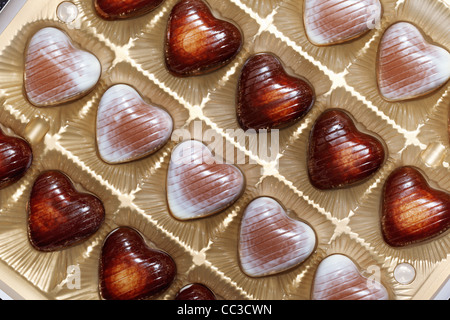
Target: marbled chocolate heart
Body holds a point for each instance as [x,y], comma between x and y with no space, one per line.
[329,22]
[338,278]
[59,215]
[197,42]
[199,186]
[124,9]
[195,291]
[16,157]
[412,211]
[130,269]
[56,71]
[270,241]
[408,66]
[270,98]
[128,128]
[340,155]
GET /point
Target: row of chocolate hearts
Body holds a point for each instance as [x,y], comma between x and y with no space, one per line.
[128,128]
[130,269]
[60,216]
[339,156]
[404,54]
[198,43]
[270,242]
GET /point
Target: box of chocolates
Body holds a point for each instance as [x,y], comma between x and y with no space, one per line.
[226,150]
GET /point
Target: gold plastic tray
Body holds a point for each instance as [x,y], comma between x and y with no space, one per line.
[131,52]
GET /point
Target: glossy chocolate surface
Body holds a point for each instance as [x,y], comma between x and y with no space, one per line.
[197,185]
[412,211]
[335,21]
[195,291]
[59,215]
[56,71]
[128,128]
[338,278]
[340,155]
[197,42]
[124,9]
[16,157]
[408,66]
[131,270]
[268,97]
[270,241]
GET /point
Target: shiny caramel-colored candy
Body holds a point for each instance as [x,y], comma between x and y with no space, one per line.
[270,98]
[59,215]
[130,269]
[339,155]
[197,42]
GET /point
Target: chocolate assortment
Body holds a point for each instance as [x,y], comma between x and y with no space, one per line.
[219,150]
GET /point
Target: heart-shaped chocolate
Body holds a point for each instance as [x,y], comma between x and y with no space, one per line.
[56,71]
[409,66]
[270,241]
[197,42]
[195,291]
[412,211]
[338,278]
[448,124]
[128,128]
[270,98]
[16,157]
[339,154]
[132,270]
[336,21]
[198,185]
[124,9]
[59,216]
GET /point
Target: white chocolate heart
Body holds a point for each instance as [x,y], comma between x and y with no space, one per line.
[197,186]
[56,71]
[270,241]
[128,128]
[338,278]
[408,66]
[329,22]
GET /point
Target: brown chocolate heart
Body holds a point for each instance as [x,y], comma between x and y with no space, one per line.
[197,42]
[195,291]
[270,98]
[59,215]
[56,71]
[412,211]
[130,269]
[124,9]
[340,155]
[16,157]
